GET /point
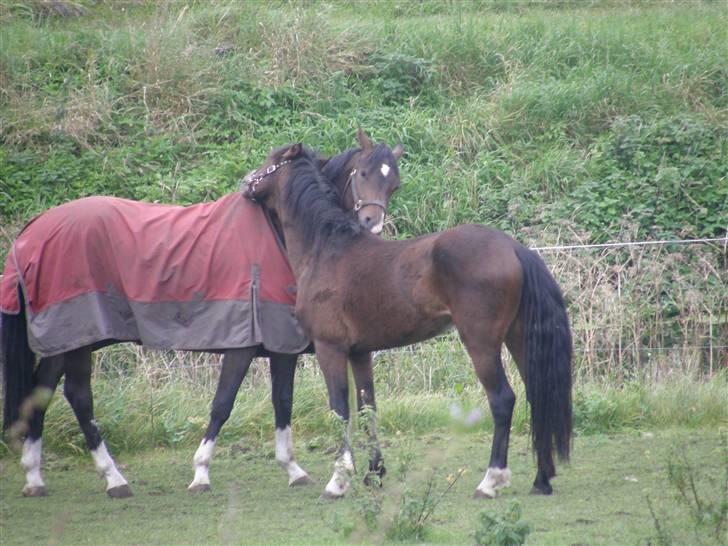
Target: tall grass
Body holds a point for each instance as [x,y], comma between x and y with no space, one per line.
[169,405]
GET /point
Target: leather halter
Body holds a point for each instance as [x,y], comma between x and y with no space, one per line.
[253,179]
[358,201]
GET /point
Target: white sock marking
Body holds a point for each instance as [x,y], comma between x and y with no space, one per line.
[284,455]
[107,468]
[201,460]
[495,478]
[30,461]
[384,169]
[340,481]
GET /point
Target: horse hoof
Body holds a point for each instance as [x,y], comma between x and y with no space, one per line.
[37,491]
[541,490]
[120,492]
[373,478]
[480,494]
[301,481]
[330,496]
[199,488]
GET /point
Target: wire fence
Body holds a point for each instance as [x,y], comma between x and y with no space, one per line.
[643,309]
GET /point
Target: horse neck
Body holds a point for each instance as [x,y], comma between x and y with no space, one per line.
[299,257]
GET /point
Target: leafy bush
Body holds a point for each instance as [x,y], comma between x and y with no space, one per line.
[502,529]
[667,177]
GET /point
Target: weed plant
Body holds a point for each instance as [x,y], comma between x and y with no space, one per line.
[502,529]
[707,507]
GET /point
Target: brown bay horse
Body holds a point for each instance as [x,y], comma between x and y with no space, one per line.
[354,176]
[358,293]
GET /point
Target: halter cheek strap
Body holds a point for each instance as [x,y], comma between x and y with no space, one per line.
[359,203]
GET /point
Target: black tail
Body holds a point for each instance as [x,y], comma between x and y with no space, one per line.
[18,364]
[548,358]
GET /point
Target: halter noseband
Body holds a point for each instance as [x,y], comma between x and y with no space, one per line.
[359,203]
[253,179]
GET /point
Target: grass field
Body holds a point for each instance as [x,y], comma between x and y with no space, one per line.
[599,498]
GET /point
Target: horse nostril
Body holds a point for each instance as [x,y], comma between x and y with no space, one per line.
[368,220]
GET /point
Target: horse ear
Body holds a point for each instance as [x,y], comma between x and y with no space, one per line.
[293,152]
[398,151]
[364,141]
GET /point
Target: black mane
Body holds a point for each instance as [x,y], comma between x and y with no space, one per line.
[337,163]
[315,204]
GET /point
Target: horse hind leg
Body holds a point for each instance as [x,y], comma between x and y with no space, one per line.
[235,365]
[501,400]
[483,346]
[77,389]
[282,372]
[46,378]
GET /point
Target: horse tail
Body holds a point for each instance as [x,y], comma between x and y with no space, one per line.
[18,364]
[548,352]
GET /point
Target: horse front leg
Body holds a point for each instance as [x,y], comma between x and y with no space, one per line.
[361,366]
[332,361]
[77,388]
[235,365]
[282,373]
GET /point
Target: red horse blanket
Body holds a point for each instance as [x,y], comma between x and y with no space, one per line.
[206,277]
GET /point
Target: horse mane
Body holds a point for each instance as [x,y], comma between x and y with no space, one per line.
[315,204]
[337,163]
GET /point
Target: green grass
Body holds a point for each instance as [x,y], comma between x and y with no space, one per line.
[600,498]
[149,404]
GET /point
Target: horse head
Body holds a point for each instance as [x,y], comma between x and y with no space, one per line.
[373,176]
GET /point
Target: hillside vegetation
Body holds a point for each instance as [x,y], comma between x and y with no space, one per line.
[608,120]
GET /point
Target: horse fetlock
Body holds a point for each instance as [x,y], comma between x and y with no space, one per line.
[203,455]
[31,457]
[106,468]
[296,475]
[341,480]
[495,478]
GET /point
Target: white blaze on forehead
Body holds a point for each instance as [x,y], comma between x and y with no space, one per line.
[384,169]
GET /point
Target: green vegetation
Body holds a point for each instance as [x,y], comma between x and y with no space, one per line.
[599,499]
[507,529]
[605,115]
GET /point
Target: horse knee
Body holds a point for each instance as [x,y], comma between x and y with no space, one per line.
[79,397]
[220,413]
